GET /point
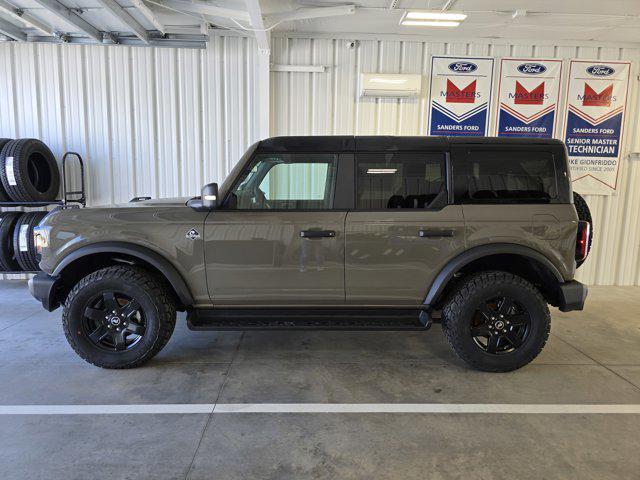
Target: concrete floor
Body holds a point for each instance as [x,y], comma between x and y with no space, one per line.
[593,357]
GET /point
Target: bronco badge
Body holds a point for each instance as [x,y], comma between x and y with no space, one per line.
[193,234]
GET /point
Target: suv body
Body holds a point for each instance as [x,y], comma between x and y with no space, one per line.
[332,232]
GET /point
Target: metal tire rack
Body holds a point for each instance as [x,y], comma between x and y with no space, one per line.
[75,198]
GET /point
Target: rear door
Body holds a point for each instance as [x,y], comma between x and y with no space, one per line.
[279,239]
[403,229]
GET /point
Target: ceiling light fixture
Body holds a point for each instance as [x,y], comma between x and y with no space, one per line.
[434,15]
[432,18]
[428,23]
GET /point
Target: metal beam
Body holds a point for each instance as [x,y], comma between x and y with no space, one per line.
[199,7]
[149,15]
[120,13]
[10,30]
[257,24]
[71,17]
[305,13]
[26,17]
[169,40]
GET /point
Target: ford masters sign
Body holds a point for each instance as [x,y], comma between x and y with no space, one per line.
[460,95]
[528,98]
[464,67]
[532,68]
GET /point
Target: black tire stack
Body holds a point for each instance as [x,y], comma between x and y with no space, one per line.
[28,173]
[23,244]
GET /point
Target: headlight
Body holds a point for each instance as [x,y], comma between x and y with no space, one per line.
[41,239]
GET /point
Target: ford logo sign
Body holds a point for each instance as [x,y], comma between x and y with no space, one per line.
[464,67]
[600,70]
[532,68]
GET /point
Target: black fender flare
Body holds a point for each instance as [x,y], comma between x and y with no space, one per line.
[143,253]
[449,270]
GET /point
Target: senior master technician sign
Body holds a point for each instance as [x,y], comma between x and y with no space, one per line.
[596,103]
[460,95]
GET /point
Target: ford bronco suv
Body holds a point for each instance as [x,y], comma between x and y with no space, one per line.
[383,233]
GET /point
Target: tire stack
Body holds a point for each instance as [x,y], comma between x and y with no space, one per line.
[28,173]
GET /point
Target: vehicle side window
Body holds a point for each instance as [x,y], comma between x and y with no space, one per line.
[292,181]
[504,177]
[400,180]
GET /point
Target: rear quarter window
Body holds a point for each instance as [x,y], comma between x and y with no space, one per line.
[505,177]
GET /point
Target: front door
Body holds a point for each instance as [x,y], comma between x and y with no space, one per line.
[278,239]
[402,231]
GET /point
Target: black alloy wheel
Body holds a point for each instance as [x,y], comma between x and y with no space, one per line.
[500,325]
[114,322]
[496,321]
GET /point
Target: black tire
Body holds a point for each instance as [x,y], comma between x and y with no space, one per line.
[476,306]
[23,245]
[33,174]
[4,196]
[89,322]
[584,214]
[8,260]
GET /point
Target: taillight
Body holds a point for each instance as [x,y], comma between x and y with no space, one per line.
[582,240]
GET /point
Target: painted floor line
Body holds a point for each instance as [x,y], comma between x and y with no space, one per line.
[207,408]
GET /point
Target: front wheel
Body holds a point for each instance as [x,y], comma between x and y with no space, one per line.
[496,321]
[118,317]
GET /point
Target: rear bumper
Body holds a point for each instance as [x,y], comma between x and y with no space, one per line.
[572,296]
[44,287]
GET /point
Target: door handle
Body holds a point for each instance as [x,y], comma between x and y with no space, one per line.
[435,233]
[317,233]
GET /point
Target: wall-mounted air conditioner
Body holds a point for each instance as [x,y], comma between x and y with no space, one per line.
[390,85]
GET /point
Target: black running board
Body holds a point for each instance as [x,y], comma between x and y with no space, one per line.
[308,319]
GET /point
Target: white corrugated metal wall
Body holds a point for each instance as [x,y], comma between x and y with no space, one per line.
[328,103]
[148,121]
[161,122]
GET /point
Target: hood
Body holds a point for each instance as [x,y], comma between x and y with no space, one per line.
[156,202]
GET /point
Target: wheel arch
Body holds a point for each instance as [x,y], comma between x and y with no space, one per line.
[517,259]
[92,257]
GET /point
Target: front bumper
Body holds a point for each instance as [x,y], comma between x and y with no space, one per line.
[45,288]
[572,296]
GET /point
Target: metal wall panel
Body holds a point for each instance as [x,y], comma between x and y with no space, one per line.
[148,121]
[328,103]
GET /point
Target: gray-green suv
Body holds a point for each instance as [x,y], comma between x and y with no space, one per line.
[384,233]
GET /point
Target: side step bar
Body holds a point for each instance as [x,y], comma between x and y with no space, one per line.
[308,319]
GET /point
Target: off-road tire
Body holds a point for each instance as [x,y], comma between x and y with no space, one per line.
[584,214]
[462,304]
[8,260]
[4,196]
[147,289]
[35,171]
[27,259]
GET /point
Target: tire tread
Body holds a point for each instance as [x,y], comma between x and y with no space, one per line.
[454,305]
[156,290]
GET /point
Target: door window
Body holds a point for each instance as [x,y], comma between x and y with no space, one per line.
[505,176]
[298,181]
[400,180]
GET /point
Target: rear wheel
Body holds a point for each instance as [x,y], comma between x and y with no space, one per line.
[118,317]
[496,321]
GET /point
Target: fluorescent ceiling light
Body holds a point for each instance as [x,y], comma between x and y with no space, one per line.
[378,171]
[434,15]
[428,23]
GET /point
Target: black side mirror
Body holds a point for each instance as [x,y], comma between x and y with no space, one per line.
[210,196]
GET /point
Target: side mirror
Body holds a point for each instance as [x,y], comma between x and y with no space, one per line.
[210,196]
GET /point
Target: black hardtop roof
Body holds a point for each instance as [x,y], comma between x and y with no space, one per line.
[345,143]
